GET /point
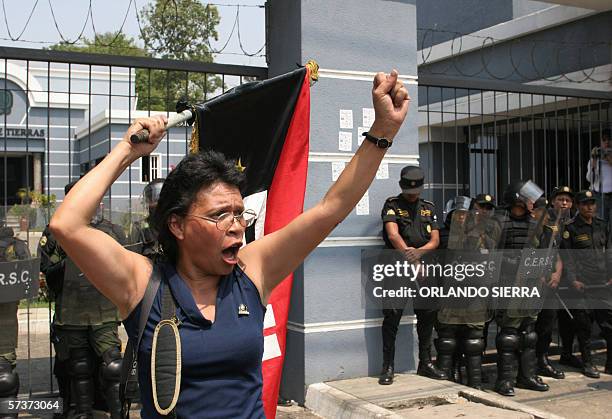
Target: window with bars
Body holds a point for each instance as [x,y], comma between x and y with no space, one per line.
[150,168]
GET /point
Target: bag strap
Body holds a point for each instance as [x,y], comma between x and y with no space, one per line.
[166,351]
[129,368]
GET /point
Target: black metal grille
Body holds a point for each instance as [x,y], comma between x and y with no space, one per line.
[62,112]
[478,137]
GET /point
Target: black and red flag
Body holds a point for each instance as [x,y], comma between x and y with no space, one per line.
[264,127]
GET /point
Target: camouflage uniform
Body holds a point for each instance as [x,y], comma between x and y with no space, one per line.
[84,328]
[517,338]
[11,249]
[460,329]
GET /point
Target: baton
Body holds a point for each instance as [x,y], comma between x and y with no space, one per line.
[587,287]
[142,136]
[564,305]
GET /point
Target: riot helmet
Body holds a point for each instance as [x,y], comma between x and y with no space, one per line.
[150,195]
[459,202]
[522,192]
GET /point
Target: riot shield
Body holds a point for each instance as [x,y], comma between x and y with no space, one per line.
[141,236]
[536,263]
[474,235]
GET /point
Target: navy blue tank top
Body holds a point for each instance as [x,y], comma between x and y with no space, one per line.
[221,361]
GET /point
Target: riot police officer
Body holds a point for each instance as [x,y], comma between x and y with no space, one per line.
[484,205]
[84,327]
[562,198]
[11,249]
[517,337]
[460,325]
[144,236]
[409,224]
[587,266]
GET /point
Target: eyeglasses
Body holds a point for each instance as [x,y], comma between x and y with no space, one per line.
[225,221]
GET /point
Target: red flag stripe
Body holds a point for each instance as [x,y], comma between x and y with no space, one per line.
[285,202]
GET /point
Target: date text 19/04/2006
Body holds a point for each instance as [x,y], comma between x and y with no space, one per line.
[457,292]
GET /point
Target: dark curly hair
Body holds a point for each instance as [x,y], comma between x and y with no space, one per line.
[194,173]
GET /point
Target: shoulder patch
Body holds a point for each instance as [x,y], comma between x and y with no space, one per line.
[566,234]
[10,252]
[43,241]
[390,212]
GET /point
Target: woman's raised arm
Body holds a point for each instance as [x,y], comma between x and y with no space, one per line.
[117,273]
[270,259]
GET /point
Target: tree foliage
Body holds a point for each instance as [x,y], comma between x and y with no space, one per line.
[171,29]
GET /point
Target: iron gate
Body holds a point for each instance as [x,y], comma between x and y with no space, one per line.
[60,114]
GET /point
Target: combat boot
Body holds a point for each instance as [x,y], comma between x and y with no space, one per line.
[534,383]
[445,360]
[507,342]
[588,368]
[527,377]
[428,369]
[9,385]
[546,369]
[386,377]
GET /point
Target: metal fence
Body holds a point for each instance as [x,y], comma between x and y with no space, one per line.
[60,114]
[477,137]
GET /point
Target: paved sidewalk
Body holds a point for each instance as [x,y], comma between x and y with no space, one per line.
[575,397]
[412,396]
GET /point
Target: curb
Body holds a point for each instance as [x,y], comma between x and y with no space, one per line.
[501,402]
[329,402]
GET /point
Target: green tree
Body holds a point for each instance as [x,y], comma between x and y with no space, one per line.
[171,29]
[179,30]
[106,43]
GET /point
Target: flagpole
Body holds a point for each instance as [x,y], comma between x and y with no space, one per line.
[142,136]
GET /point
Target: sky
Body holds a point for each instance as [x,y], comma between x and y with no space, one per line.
[108,15]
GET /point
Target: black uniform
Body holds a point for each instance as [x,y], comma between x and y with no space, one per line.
[415,222]
[551,240]
[591,266]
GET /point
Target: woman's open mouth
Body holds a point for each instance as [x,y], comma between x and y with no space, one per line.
[230,254]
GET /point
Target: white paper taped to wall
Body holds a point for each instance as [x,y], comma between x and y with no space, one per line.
[360,137]
[363,206]
[346,119]
[383,171]
[368,117]
[337,168]
[345,141]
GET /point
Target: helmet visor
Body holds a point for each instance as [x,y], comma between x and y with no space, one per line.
[530,192]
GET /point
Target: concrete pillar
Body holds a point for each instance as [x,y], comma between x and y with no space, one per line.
[331,335]
[37,172]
